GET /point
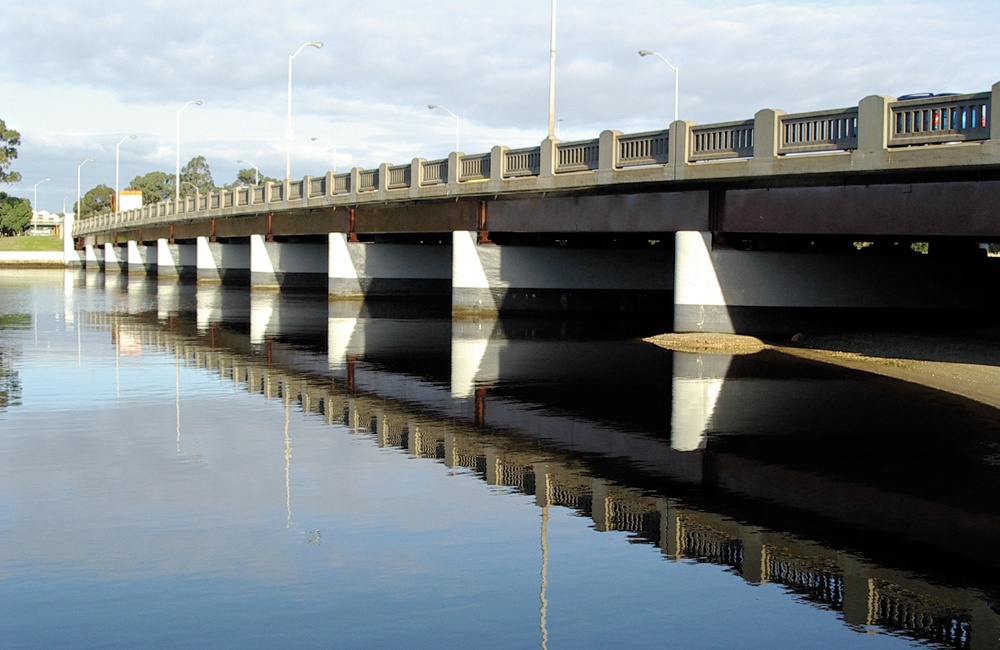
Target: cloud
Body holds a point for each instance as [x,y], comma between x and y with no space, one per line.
[111,68]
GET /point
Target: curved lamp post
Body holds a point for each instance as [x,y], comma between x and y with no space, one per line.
[34,202]
[676,76]
[177,175]
[117,158]
[457,123]
[256,171]
[79,201]
[288,126]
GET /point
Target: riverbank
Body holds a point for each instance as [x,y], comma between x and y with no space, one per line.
[32,259]
[967,365]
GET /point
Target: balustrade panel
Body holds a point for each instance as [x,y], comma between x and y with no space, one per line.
[947,118]
[641,149]
[721,141]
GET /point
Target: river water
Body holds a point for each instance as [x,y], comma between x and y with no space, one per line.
[195,466]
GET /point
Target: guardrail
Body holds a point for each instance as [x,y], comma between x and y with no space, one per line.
[616,157]
[948,118]
[819,131]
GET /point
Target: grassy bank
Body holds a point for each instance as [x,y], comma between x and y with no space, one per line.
[30,243]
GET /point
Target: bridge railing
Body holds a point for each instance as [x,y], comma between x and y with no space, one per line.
[946,118]
[399,176]
[639,149]
[368,180]
[435,172]
[835,130]
[721,141]
[577,156]
[475,168]
[522,162]
[935,120]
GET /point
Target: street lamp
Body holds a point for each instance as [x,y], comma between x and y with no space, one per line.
[334,154]
[256,172]
[197,195]
[34,202]
[79,201]
[552,75]
[177,176]
[117,158]
[288,126]
[676,76]
[457,122]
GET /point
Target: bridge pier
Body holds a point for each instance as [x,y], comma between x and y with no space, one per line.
[141,259]
[489,279]
[365,270]
[276,265]
[223,263]
[175,260]
[93,258]
[779,293]
[114,261]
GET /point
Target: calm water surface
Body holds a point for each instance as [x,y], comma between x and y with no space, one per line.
[188,466]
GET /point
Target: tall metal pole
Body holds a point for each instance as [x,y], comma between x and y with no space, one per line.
[458,127]
[552,75]
[288,125]
[117,158]
[256,171]
[677,86]
[34,202]
[177,175]
[79,201]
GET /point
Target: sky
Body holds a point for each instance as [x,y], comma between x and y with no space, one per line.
[76,78]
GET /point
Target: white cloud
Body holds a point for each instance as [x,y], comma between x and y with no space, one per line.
[79,76]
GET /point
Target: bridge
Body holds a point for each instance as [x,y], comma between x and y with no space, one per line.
[756,226]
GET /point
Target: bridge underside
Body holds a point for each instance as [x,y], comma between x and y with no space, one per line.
[749,257]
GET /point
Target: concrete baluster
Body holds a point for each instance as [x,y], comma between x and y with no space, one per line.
[873,126]
[607,156]
[498,159]
[680,149]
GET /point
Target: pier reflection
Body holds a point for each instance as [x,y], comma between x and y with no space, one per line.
[859,494]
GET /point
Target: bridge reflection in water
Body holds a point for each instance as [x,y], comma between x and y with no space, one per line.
[855,493]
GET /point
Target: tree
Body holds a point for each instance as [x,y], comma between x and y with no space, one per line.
[10,140]
[155,187]
[197,173]
[95,201]
[15,214]
[250,177]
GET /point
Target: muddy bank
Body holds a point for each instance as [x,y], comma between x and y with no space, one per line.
[963,365]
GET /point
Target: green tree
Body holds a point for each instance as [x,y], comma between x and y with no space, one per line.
[95,201]
[15,214]
[249,177]
[155,187]
[10,140]
[196,172]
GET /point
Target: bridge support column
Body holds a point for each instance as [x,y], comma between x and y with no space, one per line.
[141,259]
[779,293]
[93,258]
[274,265]
[362,270]
[220,263]
[175,260]
[490,279]
[114,260]
[72,257]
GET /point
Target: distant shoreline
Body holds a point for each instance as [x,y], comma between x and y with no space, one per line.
[32,259]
